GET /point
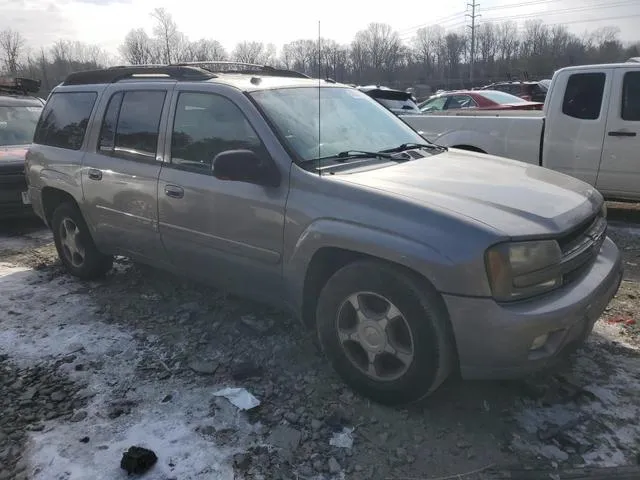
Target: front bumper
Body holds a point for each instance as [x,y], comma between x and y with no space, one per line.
[494,340]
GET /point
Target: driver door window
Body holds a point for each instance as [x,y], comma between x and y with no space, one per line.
[206,125]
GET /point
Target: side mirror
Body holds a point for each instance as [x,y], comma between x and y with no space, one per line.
[245,166]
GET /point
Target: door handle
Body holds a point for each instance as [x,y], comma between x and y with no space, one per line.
[95,174]
[622,134]
[173,191]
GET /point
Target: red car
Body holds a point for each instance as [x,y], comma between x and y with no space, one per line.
[477,99]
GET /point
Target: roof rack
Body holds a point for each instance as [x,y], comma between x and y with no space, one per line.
[122,72]
[19,85]
[222,66]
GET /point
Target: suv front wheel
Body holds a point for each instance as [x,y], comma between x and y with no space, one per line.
[385,333]
[75,246]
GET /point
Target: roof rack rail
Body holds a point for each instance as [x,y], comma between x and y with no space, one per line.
[19,85]
[122,72]
[223,66]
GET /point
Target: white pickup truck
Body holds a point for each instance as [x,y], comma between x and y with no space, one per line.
[589,128]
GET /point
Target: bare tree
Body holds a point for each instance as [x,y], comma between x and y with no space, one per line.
[487,45]
[254,52]
[426,44]
[12,47]
[137,48]
[508,42]
[203,49]
[455,45]
[166,32]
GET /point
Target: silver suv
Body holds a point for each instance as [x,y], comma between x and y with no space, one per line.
[410,260]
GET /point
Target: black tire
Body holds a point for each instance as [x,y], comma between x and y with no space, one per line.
[94,264]
[424,315]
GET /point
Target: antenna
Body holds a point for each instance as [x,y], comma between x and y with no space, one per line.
[319,77]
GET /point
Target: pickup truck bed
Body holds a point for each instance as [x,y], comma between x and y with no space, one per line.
[519,138]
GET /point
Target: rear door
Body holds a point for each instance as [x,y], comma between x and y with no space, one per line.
[227,232]
[121,168]
[619,173]
[576,122]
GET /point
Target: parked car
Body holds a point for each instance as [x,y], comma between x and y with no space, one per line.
[408,259]
[19,113]
[478,100]
[530,91]
[588,128]
[397,101]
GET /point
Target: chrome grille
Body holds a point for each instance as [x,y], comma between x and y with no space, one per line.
[581,247]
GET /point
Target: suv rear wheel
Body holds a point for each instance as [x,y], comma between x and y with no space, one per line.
[75,246]
[385,333]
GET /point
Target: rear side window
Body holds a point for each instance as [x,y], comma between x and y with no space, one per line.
[631,97]
[64,119]
[131,123]
[583,97]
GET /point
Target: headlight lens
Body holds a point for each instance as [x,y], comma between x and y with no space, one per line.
[524,269]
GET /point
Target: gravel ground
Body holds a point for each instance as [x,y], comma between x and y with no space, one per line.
[88,369]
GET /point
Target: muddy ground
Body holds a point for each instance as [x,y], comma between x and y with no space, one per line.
[88,369]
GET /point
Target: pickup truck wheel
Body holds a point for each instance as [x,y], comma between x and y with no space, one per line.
[75,246]
[385,333]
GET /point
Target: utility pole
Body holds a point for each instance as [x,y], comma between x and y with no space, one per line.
[473,15]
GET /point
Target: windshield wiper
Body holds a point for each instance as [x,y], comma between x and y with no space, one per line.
[410,146]
[351,154]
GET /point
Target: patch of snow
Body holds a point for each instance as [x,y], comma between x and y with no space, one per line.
[45,319]
[610,426]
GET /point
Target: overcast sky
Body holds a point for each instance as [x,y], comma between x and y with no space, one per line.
[105,22]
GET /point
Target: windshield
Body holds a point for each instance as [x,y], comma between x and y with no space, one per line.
[349,120]
[17,124]
[502,97]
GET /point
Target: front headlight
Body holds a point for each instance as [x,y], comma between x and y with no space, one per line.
[524,269]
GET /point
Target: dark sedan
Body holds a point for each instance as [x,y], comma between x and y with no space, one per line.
[19,113]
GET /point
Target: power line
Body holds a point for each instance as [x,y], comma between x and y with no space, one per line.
[437,21]
[599,6]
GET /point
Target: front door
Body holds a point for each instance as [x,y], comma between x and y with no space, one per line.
[619,174]
[120,171]
[228,232]
[573,135]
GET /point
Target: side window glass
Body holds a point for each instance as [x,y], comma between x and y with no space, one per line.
[205,125]
[583,96]
[631,97]
[434,105]
[108,130]
[64,120]
[139,123]
[460,101]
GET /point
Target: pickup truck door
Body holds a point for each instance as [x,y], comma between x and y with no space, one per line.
[121,168]
[619,174]
[576,118]
[226,232]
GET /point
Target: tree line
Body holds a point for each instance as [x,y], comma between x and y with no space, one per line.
[434,57]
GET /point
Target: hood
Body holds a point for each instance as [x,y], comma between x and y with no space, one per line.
[515,198]
[12,154]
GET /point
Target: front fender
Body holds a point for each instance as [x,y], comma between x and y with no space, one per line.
[361,239]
